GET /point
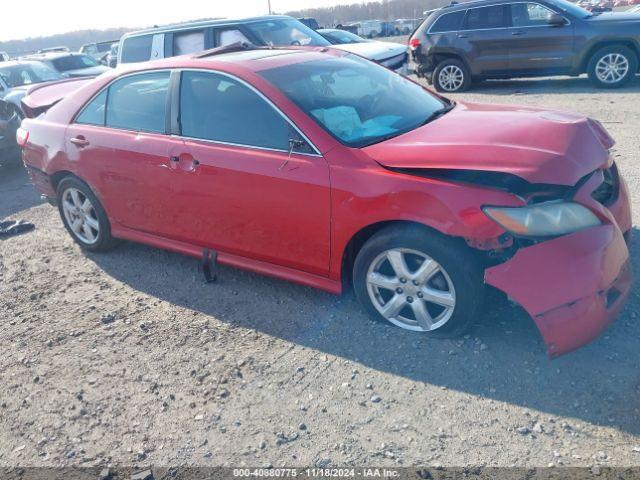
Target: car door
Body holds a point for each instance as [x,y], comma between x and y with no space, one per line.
[120,144]
[248,182]
[483,39]
[535,47]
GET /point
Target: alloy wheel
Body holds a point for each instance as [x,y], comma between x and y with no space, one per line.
[612,68]
[451,78]
[411,290]
[80,215]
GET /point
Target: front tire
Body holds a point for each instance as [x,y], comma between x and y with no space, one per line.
[612,66]
[419,281]
[83,216]
[451,76]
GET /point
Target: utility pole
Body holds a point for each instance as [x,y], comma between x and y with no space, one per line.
[269,2]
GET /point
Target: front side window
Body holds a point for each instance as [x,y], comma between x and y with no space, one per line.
[229,37]
[529,14]
[137,49]
[190,41]
[449,22]
[138,102]
[284,32]
[486,18]
[356,101]
[218,108]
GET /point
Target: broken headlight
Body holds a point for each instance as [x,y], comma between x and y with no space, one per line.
[543,219]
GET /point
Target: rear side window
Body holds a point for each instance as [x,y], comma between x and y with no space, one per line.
[190,41]
[137,49]
[218,108]
[138,102]
[94,112]
[486,18]
[449,22]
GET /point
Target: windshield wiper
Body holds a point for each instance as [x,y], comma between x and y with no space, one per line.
[438,113]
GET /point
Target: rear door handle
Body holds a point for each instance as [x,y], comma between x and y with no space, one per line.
[79,141]
[463,35]
[517,33]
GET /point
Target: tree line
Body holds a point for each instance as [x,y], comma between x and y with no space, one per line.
[327,16]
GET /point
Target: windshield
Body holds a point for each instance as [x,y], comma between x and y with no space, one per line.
[74,62]
[572,9]
[27,74]
[358,102]
[343,37]
[284,32]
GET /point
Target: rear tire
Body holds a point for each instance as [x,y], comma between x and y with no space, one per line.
[612,66]
[451,76]
[83,216]
[441,276]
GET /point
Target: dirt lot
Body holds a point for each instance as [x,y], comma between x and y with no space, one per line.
[129,358]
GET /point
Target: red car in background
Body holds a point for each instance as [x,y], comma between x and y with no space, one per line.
[323,168]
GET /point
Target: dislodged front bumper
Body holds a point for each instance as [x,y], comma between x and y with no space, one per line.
[575,285]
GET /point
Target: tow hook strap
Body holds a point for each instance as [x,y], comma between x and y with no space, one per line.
[12,227]
[209,265]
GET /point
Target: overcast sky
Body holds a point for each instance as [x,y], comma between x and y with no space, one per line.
[36,18]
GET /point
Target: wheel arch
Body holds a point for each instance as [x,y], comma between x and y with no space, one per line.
[607,43]
[359,238]
[446,55]
[58,176]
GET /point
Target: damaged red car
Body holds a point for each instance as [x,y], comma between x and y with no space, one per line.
[323,168]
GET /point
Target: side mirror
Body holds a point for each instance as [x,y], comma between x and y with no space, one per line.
[556,20]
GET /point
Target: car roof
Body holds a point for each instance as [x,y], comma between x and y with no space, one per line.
[456,6]
[53,55]
[252,60]
[204,23]
[13,63]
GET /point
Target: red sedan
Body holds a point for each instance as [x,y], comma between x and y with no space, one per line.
[320,167]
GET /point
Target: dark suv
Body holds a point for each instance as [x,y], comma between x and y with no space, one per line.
[505,38]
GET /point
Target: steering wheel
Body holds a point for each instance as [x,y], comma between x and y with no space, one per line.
[296,43]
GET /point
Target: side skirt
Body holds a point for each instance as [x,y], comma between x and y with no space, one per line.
[264,268]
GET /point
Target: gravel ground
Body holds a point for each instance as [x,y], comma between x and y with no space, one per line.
[129,358]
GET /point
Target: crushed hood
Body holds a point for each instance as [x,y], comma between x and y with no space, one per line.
[87,72]
[539,146]
[373,50]
[42,96]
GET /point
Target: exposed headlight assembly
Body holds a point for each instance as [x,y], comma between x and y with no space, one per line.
[543,219]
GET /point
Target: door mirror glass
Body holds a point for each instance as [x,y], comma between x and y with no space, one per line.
[556,20]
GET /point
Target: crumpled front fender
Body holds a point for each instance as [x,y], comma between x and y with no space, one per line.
[572,286]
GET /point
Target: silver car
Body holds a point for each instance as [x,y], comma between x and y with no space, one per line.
[70,64]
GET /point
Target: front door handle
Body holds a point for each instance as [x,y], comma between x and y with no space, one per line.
[184,161]
[79,141]
[517,33]
[463,35]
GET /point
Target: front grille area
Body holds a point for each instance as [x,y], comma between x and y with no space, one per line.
[394,63]
[607,191]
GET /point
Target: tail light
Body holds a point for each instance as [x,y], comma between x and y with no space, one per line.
[414,43]
[22,137]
